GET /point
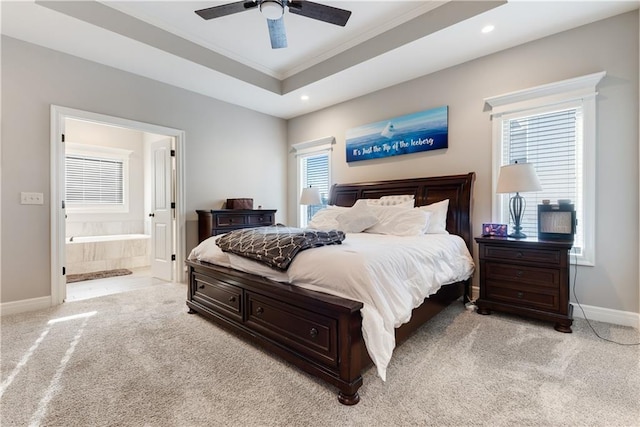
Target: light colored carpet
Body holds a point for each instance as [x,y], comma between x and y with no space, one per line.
[138,359]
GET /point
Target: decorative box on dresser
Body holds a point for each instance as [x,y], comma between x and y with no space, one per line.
[527,277]
[213,222]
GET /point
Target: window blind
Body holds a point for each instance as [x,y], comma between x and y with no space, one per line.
[93,181]
[552,141]
[315,173]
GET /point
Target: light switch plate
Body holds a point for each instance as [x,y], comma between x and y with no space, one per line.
[31,198]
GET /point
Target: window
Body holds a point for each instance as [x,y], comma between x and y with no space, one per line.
[96,179]
[552,127]
[314,167]
[314,173]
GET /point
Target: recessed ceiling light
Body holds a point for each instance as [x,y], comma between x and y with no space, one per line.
[304,97]
[488,29]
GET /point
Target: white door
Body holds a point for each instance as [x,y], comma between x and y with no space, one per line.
[161,211]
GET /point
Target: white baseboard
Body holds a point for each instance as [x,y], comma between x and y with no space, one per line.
[600,314]
[23,306]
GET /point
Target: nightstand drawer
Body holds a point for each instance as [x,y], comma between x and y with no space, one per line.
[515,293]
[230,220]
[536,276]
[504,253]
[261,219]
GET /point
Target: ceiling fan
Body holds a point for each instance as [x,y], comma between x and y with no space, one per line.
[273,10]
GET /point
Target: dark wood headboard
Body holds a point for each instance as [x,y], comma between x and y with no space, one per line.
[457,188]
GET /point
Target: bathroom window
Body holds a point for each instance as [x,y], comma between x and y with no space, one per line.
[96,179]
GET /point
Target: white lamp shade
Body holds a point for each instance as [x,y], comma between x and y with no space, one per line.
[310,196]
[518,178]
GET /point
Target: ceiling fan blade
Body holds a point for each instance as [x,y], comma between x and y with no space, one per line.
[321,12]
[277,33]
[226,9]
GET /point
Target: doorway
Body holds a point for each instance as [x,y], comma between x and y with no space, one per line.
[162,149]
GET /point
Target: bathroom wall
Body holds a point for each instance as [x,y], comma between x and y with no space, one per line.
[99,224]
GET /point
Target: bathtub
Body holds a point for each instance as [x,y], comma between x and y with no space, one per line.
[85,254]
[111,238]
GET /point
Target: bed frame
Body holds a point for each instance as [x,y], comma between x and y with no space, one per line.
[321,333]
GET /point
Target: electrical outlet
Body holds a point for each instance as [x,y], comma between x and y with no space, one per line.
[31,198]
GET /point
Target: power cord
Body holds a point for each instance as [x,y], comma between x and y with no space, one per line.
[575,275]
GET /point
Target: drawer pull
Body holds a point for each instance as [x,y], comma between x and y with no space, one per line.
[230,220]
[519,273]
[259,311]
[520,295]
[232,299]
[201,287]
[519,254]
[313,332]
[261,219]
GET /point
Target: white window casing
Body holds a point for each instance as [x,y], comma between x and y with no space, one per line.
[571,106]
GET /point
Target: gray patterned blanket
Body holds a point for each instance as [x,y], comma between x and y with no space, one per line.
[276,245]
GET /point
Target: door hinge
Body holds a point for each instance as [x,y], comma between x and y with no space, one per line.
[63,137]
[173,153]
[173,257]
[64,271]
[63,204]
[173,205]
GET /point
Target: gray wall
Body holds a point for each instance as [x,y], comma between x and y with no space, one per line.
[610,45]
[225,157]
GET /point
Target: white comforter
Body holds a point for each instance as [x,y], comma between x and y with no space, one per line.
[390,275]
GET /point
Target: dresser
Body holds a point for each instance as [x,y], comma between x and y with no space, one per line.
[527,277]
[213,222]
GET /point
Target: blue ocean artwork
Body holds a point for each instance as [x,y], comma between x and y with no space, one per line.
[413,133]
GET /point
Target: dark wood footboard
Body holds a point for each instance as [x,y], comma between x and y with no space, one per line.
[317,332]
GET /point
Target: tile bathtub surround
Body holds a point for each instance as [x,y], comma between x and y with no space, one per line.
[87,257]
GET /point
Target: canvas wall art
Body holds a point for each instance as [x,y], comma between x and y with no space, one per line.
[413,133]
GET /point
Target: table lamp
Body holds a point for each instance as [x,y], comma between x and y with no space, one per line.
[310,196]
[517,178]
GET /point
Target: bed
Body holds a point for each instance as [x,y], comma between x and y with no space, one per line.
[316,331]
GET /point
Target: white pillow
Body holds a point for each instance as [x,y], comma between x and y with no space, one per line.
[438,221]
[326,219]
[396,200]
[399,221]
[407,204]
[355,220]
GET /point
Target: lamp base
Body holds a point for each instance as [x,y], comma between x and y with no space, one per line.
[516,208]
[518,235]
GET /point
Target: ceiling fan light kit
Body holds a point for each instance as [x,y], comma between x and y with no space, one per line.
[273,10]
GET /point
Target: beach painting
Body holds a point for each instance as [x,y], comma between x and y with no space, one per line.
[413,133]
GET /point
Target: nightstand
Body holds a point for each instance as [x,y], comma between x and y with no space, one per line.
[528,277]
